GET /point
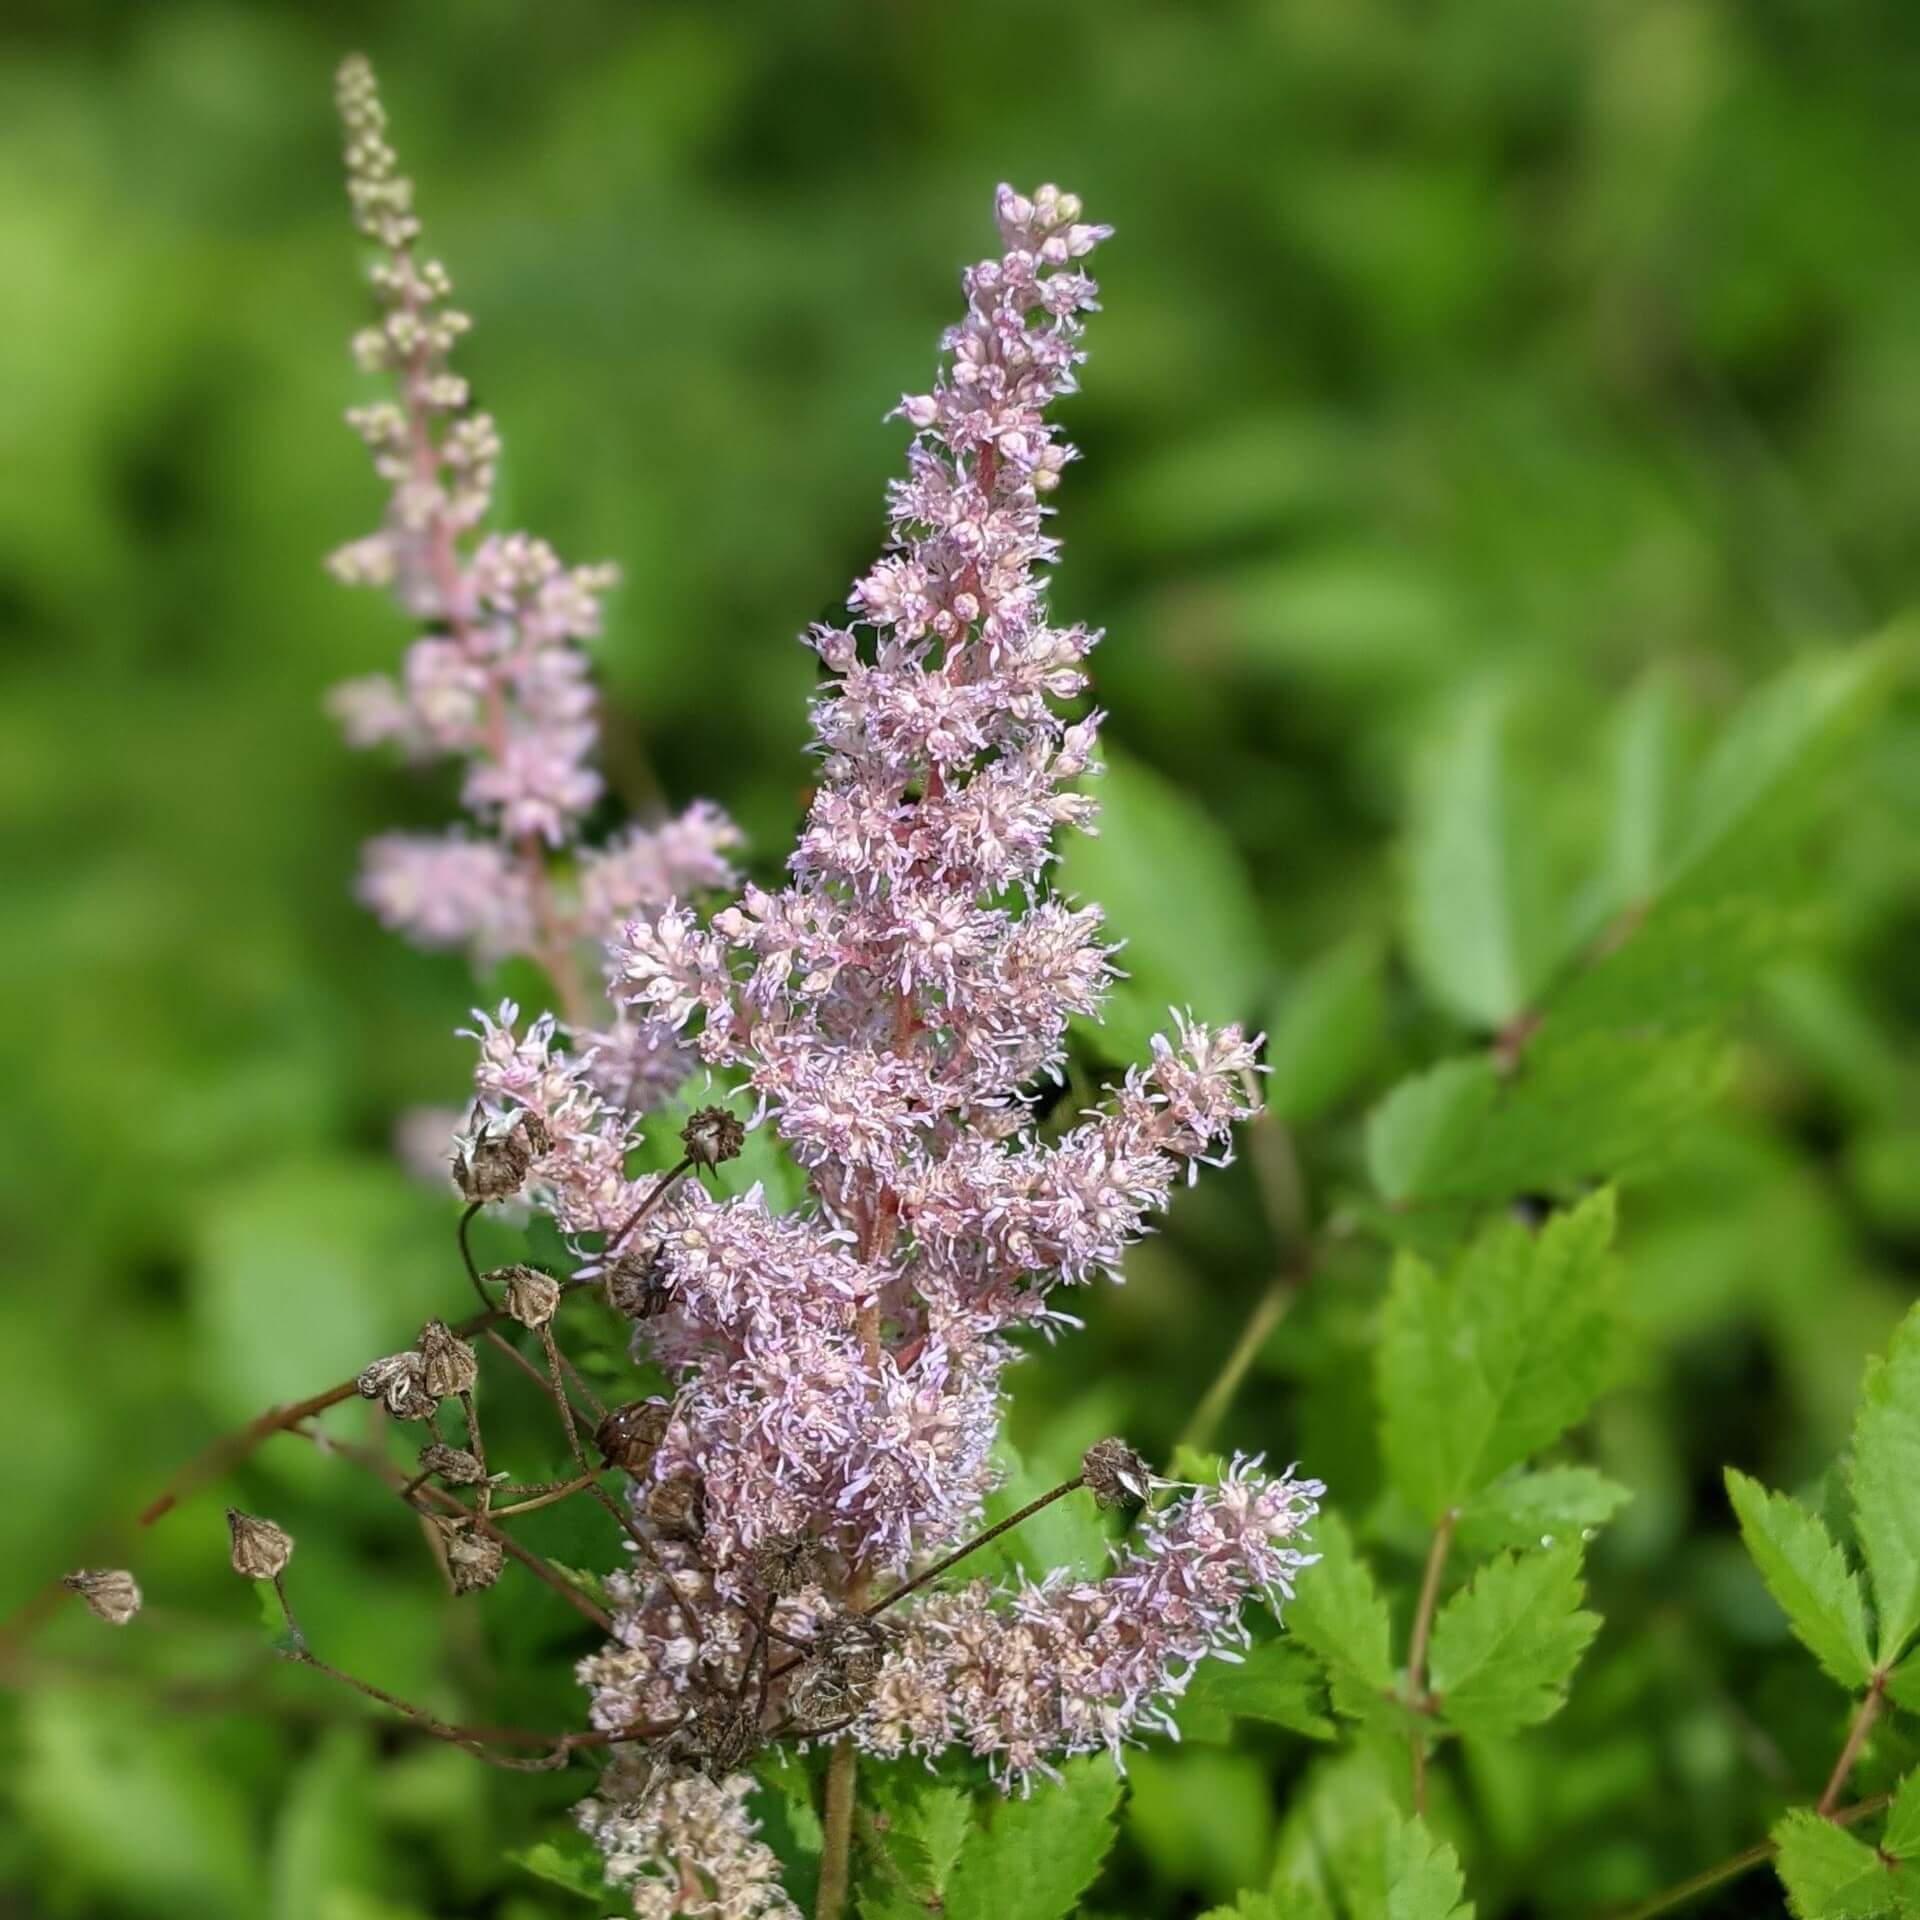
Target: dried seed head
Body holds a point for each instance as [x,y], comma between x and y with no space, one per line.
[474,1559]
[711,1136]
[530,1296]
[261,1550]
[1116,1476]
[786,1562]
[448,1366]
[679,1506]
[455,1465]
[635,1284]
[399,1383]
[111,1593]
[722,1737]
[490,1162]
[838,1677]
[630,1436]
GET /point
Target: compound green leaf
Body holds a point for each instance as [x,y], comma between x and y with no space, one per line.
[1808,1575]
[1505,1646]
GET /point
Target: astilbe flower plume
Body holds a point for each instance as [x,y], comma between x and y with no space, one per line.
[499,678]
[890,1013]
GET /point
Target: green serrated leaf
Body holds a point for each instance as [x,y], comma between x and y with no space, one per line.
[917,1829]
[1251,1905]
[1327,1032]
[1505,1646]
[1808,1575]
[1423,1877]
[1902,1835]
[1425,1127]
[1828,1874]
[1485,1366]
[1884,1473]
[1337,1612]
[1277,1682]
[1034,1858]
[1539,1509]
[1480,916]
[569,1862]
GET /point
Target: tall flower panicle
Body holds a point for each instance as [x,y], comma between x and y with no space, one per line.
[893,1009]
[499,678]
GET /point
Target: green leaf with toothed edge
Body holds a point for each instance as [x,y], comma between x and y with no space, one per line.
[1481,1367]
[1506,1645]
[1808,1576]
[1884,1473]
[1338,1613]
[910,1841]
[1828,1874]
[1539,1509]
[1032,1859]
[1902,1835]
[569,1862]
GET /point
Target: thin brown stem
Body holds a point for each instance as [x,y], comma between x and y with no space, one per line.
[1863,1720]
[553,1495]
[1682,1891]
[466,1253]
[655,1195]
[1417,1696]
[978,1541]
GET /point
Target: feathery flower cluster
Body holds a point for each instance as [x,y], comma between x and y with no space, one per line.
[892,1011]
[499,678]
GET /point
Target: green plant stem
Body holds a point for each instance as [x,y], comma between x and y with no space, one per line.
[1283,1197]
[1417,1649]
[1732,1868]
[836,1820]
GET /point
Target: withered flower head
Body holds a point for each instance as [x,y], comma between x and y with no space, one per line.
[399,1383]
[455,1465]
[636,1285]
[722,1737]
[474,1559]
[1116,1475]
[838,1677]
[783,1563]
[530,1296]
[679,1506]
[261,1550]
[630,1436]
[111,1593]
[448,1365]
[712,1135]
[490,1162]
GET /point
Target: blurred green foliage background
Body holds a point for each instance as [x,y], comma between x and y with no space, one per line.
[1550,351]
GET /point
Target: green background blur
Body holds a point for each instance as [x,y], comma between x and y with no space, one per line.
[1544,343]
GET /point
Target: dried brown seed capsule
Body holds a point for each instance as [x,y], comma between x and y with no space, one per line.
[261,1550]
[712,1135]
[455,1465]
[786,1562]
[679,1506]
[474,1559]
[630,1436]
[449,1366]
[491,1162]
[838,1677]
[530,1296]
[636,1285]
[1116,1475]
[399,1383]
[111,1593]
[721,1737]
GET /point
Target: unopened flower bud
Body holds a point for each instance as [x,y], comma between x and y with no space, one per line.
[530,1296]
[261,1550]
[448,1366]
[455,1465]
[1116,1476]
[711,1136]
[786,1562]
[474,1559]
[399,1383]
[630,1436]
[111,1593]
